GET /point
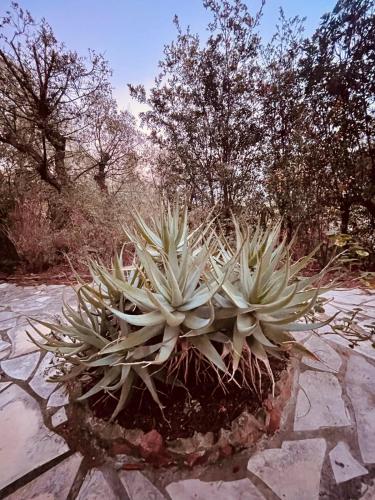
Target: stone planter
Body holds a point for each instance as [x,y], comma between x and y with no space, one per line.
[245,431]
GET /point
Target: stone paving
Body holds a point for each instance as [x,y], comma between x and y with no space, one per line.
[324,449]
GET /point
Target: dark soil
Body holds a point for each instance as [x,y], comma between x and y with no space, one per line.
[207,408]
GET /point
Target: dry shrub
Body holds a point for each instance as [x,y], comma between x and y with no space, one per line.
[97,220]
[94,227]
[83,222]
[31,232]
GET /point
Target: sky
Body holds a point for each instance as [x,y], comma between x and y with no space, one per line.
[132,33]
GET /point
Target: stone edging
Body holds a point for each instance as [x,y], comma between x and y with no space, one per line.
[246,430]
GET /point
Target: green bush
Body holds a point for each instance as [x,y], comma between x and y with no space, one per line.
[190,298]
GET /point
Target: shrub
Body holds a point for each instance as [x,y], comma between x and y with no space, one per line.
[189,299]
[81,223]
[31,232]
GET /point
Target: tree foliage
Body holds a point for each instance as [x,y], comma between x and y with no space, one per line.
[339,76]
[204,110]
[282,129]
[291,121]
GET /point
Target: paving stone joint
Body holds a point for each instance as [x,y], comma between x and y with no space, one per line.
[326,439]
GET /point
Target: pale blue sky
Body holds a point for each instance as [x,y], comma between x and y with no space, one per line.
[132,33]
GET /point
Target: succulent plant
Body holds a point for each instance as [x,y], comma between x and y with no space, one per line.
[233,307]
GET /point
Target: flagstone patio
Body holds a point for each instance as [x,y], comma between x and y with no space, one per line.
[325,448]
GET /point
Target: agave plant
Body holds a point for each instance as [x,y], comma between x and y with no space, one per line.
[233,308]
[169,229]
[264,297]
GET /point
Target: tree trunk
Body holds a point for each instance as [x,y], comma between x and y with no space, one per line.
[100,177]
[289,229]
[345,216]
[60,167]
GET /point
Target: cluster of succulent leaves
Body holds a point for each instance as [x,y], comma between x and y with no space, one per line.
[234,304]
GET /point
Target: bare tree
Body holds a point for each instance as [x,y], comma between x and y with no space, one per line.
[110,143]
[45,92]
